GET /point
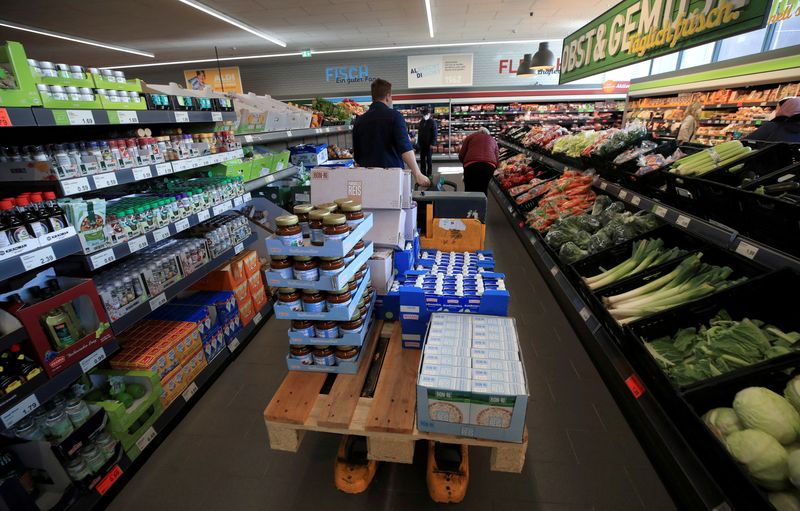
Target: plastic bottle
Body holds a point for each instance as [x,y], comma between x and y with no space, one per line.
[94,150]
[63,162]
[40,225]
[109,160]
[56,217]
[21,230]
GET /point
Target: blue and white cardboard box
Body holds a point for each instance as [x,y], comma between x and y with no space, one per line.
[309,154]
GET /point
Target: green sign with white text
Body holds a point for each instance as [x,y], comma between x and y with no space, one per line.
[637,30]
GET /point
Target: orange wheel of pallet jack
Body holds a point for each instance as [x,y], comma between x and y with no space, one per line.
[447,487]
[352,477]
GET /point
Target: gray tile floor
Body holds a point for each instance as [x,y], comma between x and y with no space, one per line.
[581,453]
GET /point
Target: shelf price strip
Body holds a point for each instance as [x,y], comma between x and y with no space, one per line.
[92,360]
[20,410]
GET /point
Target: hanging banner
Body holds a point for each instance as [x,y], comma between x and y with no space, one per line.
[430,71]
[231,81]
[637,30]
[783,10]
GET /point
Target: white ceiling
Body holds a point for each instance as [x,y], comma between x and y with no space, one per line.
[174,31]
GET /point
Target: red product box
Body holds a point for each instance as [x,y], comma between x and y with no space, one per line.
[86,315]
[251,262]
[246,310]
[242,292]
[226,278]
[254,283]
[259,298]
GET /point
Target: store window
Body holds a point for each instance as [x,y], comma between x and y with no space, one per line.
[637,70]
[664,64]
[787,33]
[741,45]
[697,56]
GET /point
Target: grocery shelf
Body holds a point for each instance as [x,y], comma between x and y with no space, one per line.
[15,407]
[57,117]
[171,416]
[86,184]
[104,257]
[280,136]
[258,182]
[16,117]
[717,106]
[137,314]
[682,471]
[39,255]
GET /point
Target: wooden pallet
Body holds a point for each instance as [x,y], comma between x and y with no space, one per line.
[387,419]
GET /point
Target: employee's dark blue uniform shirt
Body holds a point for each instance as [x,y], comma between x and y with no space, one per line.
[380,136]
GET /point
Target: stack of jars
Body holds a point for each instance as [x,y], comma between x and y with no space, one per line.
[55,421]
[92,457]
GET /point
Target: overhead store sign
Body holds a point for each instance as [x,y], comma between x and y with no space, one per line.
[430,71]
[224,79]
[637,30]
[783,10]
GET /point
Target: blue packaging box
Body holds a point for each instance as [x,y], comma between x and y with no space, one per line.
[309,154]
[215,343]
[223,301]
[339,163]
[197,315]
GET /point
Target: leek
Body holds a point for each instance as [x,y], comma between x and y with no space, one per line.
[645,254]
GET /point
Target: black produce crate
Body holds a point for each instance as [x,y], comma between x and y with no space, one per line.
[770,219]
[764,159]
[741,266]
[575,163]
[654,183]
[664,148]
[762,298]
[612,256]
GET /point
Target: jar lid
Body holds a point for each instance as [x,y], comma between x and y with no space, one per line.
[351,206]
[318,214]
[310,291]
[356,315]
[286,220]
[328,206]
[339,291]
[321,347]
[343,201]
[281,257]
[344,348]
[363,301]
[287,290]
[334,219]
[299,347]
[302,258]
[331,258]
[303,208]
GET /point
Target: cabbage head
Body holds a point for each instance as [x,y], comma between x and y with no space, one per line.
[762,455]
[760,408]
[722,422]
[792,392]
[784,501]
[794,468]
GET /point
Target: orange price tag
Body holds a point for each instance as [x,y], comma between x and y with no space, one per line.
[635,385]
[108,481]
[4,119]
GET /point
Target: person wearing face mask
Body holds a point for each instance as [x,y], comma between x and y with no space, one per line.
[427,132]
[380,135]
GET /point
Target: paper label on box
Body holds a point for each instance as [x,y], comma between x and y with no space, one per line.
[452,224]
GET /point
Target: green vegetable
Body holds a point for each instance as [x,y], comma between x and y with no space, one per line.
[784,501]
[794,468]
[760,408]
[645,254]
[722,422]
[792,392]
[762,455]
[136,390]
[570,252]
[707,160]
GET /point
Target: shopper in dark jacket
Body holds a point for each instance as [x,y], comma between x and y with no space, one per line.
[784,128]
[427,133]
[479,156]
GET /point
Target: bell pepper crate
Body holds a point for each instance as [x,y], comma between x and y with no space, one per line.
[330,248]
[300,339]
[337,314]
[474,408]
[324,283]
[741,266]
[129,424]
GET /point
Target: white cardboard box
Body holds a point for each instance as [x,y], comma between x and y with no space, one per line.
[387,226]
[374,188]
[410,227]
[380,265]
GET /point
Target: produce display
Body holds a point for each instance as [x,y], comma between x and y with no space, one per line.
[606,225]
[705,161]
[574,145]
[331,111]
[690,280]
[696,354]
[647,253]
[569,195]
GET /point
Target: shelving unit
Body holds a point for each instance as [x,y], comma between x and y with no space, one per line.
[271,178]
[35,116]
[281,136]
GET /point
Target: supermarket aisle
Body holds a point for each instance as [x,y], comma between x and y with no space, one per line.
[581,455]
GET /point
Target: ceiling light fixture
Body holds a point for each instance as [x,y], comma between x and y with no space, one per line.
[524,68]
[25,28]
[323,52]
[543,58]
[236,23]
[430,16]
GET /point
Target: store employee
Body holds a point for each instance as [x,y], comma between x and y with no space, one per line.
[380,136]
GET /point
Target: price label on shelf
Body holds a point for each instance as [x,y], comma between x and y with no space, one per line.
[746,249]
[182,225]
[660,211]
[248,139]
[93,359]
[318,130]
[603,185]
[216,116]
[140,173]
[75,186]
[146,438]
[137,244]
[38,258]
[239,247]
[289,133]
[161,234]
[635,200]
[623,194]
[190,391]
[635,385]
[181,116]
[105,180]
[585,314]
[108,481]
[158,301]
[233,344]
[237,201]
[247,197]
[128,117]
[20,410]
[204,215]
[80,117]
[554,271]
[5,120]
[257,318]
[103,258]
[162,169]
[221,208]
[683,221]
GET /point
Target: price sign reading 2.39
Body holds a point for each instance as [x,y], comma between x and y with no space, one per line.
[637,30]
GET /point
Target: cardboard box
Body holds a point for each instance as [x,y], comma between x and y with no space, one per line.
[246,310]
[250,261]
[226,278]
[309,154]
[380,265]
[254,283]
[374,188]
[387,228]
[410,226]
[259,298]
